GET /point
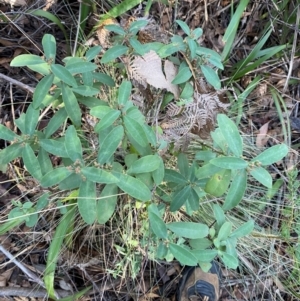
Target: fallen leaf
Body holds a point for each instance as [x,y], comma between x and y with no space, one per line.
[263,137]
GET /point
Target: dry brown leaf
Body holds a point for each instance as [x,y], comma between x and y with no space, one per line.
[147,69]
[49,4]
[263,137]
[103,33]
[148,297]
[170,72]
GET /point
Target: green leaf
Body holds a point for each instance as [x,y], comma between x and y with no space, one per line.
[219,215]
[146,178]
[54,147]
[180,197]
[229,260]
[31,120]
[216,63]
[99,175]
[73,144]
[200,243]
[7,134]
[184,256]
[113,53]
[44,161]
[220,142]
[41,90]
[218,183]
[63,74]
[86,90]
[211,76]
[43,201]
[207,171]
[169,49]
[187,92]
[55,122]
[31,162]
[87,201]
[71,105]
[183,165]
[136,131]
[188,229]
[88,80]
[144,164]
[229,162]
[129,159]
[108,120]
[184,27]
[104,78]
[55,176]
[81,67]
[137,46]
[92,53]
[205,255]
[124,92]
[137,25]
[43,69]
[137,148]
[161,251]
[193,200]
[243,230]
[174,177]
[236,191]
[116,29]
[157,225]
[107,203]
[10,153]
[159,173]
[100,111]
[272,154]
[55,250]
[109,144]
[192,47]
[26,60]
[71,182]
[49,47]
[262,175]
[133,186]
[231,134]
[224,231]
[205,155]
[183,76]
[197,33]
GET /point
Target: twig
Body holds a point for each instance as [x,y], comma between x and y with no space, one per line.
[17,83]
[293,50]
[29,292]
[32,276]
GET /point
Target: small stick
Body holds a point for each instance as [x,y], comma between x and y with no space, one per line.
[32,276]
[17,83]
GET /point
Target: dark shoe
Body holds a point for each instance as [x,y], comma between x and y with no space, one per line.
[197,285]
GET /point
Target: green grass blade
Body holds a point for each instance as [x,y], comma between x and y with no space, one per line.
[55,249]
[231,30]
[120,9]
[54,19]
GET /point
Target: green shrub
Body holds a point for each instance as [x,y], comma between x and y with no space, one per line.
[127,158]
